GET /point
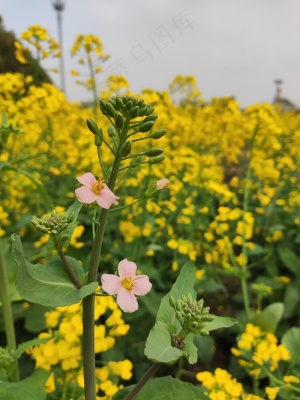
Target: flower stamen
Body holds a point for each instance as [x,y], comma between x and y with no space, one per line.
[127,283]
[98,186]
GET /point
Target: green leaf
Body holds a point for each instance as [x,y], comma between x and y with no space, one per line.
[269,318]
[184,285]
[159,348]
[30,343]
[291,300]
[219,322]
[291,339]
[166,388]
[31,388]
[49,284]
[289,259]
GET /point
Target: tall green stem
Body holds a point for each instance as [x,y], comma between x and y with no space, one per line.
[88,302]
[7,313]
[244,276]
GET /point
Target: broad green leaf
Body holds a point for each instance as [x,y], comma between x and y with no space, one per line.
[30,343]
[184,285]
[166,388]
[159,348]
[291,339]
[219,322]
[289,259]
[291,300]
[268,318]
[35,318]
[31,388]
[49,284]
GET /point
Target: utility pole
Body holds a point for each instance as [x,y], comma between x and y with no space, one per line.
[59,6]
[278,83]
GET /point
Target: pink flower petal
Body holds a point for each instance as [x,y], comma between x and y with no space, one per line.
[111,284]
[142,285]
[87,179]
[85,195]
[127,301]
[126,268]
[106,198]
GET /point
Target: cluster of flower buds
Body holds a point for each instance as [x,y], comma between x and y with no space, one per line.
[54,224]
[127,108]
[191,314]
[7,361]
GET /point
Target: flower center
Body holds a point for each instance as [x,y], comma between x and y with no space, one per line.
[127,283]
[98,186]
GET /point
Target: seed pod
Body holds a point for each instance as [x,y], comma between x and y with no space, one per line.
[158,134]
[155,151]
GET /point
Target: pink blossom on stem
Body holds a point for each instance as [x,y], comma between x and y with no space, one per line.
[95,190]
[126,286]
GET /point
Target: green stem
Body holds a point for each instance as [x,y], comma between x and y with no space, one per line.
[8,314]
[151,371]
[68,267]
[88,302]
[129,205]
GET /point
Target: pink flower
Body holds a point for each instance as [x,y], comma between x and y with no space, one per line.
[126,286]
[95,190]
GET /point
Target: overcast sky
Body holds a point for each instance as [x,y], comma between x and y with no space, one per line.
[232,47]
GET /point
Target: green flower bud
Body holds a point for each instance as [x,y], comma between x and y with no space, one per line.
[111,131]
[103,106]
[205,310]
[64,237]
[142,111]
[129,105]
[203,332]
[135,161]
[98,141]
[112,101]
[184,298]
[119,103]
[179,305]
[200,304]
[110,110]
[158,134]
[134,112]
[145,126]
[119,121]
[43,229]
[126,149]
[70,217]
[157,159]
[151,117]
[149,110]
[172,301]
[93,127]
[155,151]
